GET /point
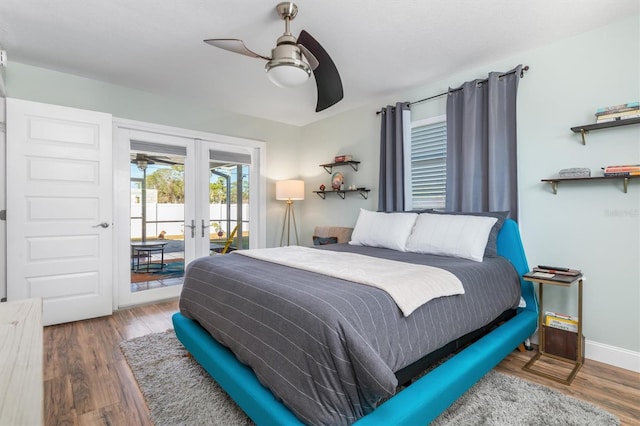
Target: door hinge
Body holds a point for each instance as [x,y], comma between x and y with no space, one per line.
[3,215]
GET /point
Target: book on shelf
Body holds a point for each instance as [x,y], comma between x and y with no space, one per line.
[623,174]
[626,111]
[609,120]
[559,315]
[618,116]
[561,323]
[622,168]
[629,106]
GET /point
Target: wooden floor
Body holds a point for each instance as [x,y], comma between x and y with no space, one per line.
[87,381]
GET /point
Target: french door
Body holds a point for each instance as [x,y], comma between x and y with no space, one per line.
[179,198]
[225,219]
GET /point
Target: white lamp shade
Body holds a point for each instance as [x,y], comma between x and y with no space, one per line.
[290,190]
[286,75]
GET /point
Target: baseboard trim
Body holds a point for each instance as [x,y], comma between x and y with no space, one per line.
[612,355]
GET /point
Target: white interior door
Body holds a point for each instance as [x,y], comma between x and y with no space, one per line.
[59,209]
[3,204]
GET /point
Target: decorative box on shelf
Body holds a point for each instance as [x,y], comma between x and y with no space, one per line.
[343,158]
[574,172]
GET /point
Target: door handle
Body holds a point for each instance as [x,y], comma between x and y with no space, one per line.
[193,228]
[101,225]
[203,227]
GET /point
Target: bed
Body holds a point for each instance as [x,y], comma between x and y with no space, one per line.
[420,402]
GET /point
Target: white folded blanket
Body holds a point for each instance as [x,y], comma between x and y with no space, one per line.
[408,284]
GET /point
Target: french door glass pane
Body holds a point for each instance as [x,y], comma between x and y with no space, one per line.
[228,206]
[157,220]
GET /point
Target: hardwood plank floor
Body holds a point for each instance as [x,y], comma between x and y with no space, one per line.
[86,378]
[88,382]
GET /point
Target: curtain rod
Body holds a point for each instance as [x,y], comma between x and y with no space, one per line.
[522,70]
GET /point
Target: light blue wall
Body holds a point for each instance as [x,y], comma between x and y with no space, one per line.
[592,226]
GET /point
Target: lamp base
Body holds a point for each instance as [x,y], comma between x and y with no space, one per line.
[289,215]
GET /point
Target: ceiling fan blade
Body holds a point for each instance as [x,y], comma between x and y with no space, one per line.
[152,159]
[234,45]
[162,160]
[311,60]
[141,157]
[326,74]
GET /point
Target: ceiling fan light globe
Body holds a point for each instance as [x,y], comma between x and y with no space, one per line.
[288,73]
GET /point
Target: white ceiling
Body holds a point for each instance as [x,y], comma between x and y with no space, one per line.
[380,47]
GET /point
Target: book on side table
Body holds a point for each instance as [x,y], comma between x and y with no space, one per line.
[554,273]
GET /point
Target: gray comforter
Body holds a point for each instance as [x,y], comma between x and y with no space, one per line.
[326,347]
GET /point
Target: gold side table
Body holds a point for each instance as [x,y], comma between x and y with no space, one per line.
[563,281]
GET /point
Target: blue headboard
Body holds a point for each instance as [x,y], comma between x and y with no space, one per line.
[510,246]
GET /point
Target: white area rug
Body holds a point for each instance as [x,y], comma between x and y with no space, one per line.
[179,392]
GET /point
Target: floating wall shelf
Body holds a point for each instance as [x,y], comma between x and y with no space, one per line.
[343,193]
[329,166]
[555,181]
[584,129]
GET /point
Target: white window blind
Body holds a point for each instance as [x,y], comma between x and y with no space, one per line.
[428,164]
[230,157]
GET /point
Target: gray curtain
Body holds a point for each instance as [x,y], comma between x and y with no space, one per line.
[394,129]
[481,145]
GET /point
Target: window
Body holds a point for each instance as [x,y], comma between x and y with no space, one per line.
[426,164]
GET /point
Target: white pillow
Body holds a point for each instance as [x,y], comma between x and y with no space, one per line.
[451,235]
[388,230]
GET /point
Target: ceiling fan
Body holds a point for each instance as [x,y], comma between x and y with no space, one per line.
[143,160]
[293,59]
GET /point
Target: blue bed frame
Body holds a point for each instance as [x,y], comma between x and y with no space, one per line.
[419,403]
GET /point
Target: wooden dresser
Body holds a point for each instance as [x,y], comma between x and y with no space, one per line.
[21,384]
